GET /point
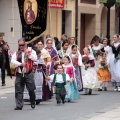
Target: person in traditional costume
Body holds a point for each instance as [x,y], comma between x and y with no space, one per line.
[23,60]
[54,56]
[89,74]
[107,50]
[71,87]
[39,70]
[59,79]
[96,47]
[115,63]
[103,73]
[47,59]
[77,63]
[64,50]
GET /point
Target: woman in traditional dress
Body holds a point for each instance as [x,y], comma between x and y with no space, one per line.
[96,47]
[39,70]
[64,50]
[77,63]
[115,63]
[89,74]
[47,59]
[53,54]
[107,50]
[71,87]
[54,57]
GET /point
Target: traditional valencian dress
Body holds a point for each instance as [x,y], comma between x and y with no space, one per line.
[71,88]
[62,53]
[115,66]
[54,58]
[77,62]
[104,74]
[89,74]
[39,70]
[96,53]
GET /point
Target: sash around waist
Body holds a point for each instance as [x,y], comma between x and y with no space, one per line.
[60,85]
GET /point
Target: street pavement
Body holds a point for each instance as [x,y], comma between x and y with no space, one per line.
[104,105]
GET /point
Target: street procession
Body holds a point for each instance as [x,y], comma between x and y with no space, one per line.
[61,51]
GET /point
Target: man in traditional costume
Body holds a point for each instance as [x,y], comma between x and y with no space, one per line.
[23,60]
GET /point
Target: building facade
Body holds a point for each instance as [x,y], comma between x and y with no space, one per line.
[92,20]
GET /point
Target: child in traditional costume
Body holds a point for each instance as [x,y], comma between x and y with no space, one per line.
[71,87]
[59,80]
[89,74]
[77,63]
[103,73]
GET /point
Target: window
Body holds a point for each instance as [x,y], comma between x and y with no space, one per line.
[88,1]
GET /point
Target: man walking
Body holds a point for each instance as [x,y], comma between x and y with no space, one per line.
[23,60]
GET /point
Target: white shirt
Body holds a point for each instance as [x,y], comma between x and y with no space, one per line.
[59,78]
[14,61]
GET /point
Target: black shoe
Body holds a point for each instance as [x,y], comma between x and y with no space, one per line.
[99,89]
[37,102]
[58,102]
[63,101]
[4,84]
[90,91]
[17,108]
[105,89]
[33,105]
[69,100]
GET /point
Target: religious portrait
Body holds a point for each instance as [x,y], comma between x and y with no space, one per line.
[30,11]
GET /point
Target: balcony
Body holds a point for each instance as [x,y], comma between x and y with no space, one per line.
[88,1]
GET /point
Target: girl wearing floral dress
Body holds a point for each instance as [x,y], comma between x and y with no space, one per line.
[77,63]
[71,88]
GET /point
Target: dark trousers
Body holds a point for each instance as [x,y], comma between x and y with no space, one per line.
[61,95]
[20,83]
[3,75]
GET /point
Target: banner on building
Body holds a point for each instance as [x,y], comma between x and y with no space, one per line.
[33,15]
[56,3]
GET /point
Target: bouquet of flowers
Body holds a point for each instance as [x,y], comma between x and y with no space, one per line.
[85,60]
[47,70]
[12,68]
[55,65]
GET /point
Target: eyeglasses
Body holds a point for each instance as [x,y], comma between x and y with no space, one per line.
[21,45]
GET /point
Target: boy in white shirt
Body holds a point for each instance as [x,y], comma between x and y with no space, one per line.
[59,80]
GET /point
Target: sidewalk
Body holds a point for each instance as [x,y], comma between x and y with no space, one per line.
[113,114]
[9,88]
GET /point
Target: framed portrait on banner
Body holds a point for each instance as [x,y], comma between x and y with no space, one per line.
[30,11]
